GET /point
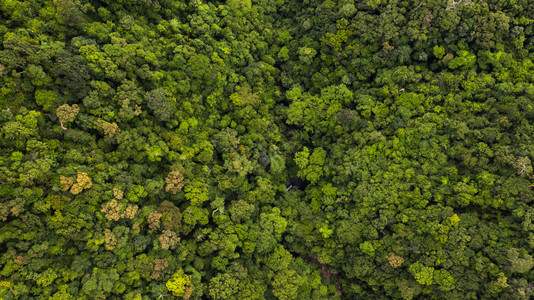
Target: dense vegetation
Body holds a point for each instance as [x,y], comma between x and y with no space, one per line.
[266,149]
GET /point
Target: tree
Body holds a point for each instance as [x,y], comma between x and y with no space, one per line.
[67,113]
[423,275]
[168,240]
[241,210]
[109,129]
[77,185]
[175,182]
[178,283]
[100,282]
[311,166]
[160,105]
[519,262]
[286,283]
[394,260]
[223,286]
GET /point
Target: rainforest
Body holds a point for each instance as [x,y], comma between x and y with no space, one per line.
[266,149]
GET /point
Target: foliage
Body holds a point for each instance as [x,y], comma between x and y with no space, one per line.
[178,283]
[266,149]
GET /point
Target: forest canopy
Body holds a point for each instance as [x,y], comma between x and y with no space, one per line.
[266,149]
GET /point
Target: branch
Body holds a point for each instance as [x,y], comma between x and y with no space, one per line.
[62,127]
[454,3]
